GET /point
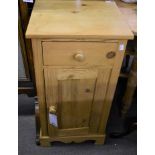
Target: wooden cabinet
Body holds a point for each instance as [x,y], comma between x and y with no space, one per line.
[77,65]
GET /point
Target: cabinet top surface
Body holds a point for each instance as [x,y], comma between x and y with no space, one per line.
[81,19]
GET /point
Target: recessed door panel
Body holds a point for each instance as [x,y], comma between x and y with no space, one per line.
[75,99]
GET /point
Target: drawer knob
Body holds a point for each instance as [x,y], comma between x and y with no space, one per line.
[111,55]
[79,57]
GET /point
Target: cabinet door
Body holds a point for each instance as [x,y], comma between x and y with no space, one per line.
[77,95]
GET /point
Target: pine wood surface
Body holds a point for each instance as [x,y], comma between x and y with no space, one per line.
[90,19]
[63,53]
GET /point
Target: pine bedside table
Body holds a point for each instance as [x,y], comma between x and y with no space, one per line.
[78,49]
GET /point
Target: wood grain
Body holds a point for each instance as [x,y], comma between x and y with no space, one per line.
[62,53]
[38,64]
[99,98]
[45,140]
[59,19]
[79,95]
[111,88]
[71,90]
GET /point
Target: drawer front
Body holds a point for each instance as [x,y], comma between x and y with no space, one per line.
[78,53]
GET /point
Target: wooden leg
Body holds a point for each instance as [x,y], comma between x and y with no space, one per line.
[45,143]
[100,141]
[131,86]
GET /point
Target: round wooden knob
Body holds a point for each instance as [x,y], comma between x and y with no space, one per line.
[111,54]
[79,57]
[52,109]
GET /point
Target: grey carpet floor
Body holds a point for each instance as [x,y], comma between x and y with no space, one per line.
[26,145]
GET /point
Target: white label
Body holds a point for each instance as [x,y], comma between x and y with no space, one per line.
[53,120]
[121,47]
[28,1]
[108,1]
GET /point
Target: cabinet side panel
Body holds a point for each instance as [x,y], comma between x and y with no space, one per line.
[111,87]
[37,54]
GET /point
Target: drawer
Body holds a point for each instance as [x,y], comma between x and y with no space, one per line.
[78,53]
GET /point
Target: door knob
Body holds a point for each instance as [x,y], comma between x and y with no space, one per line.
[52,110]
[79,57]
